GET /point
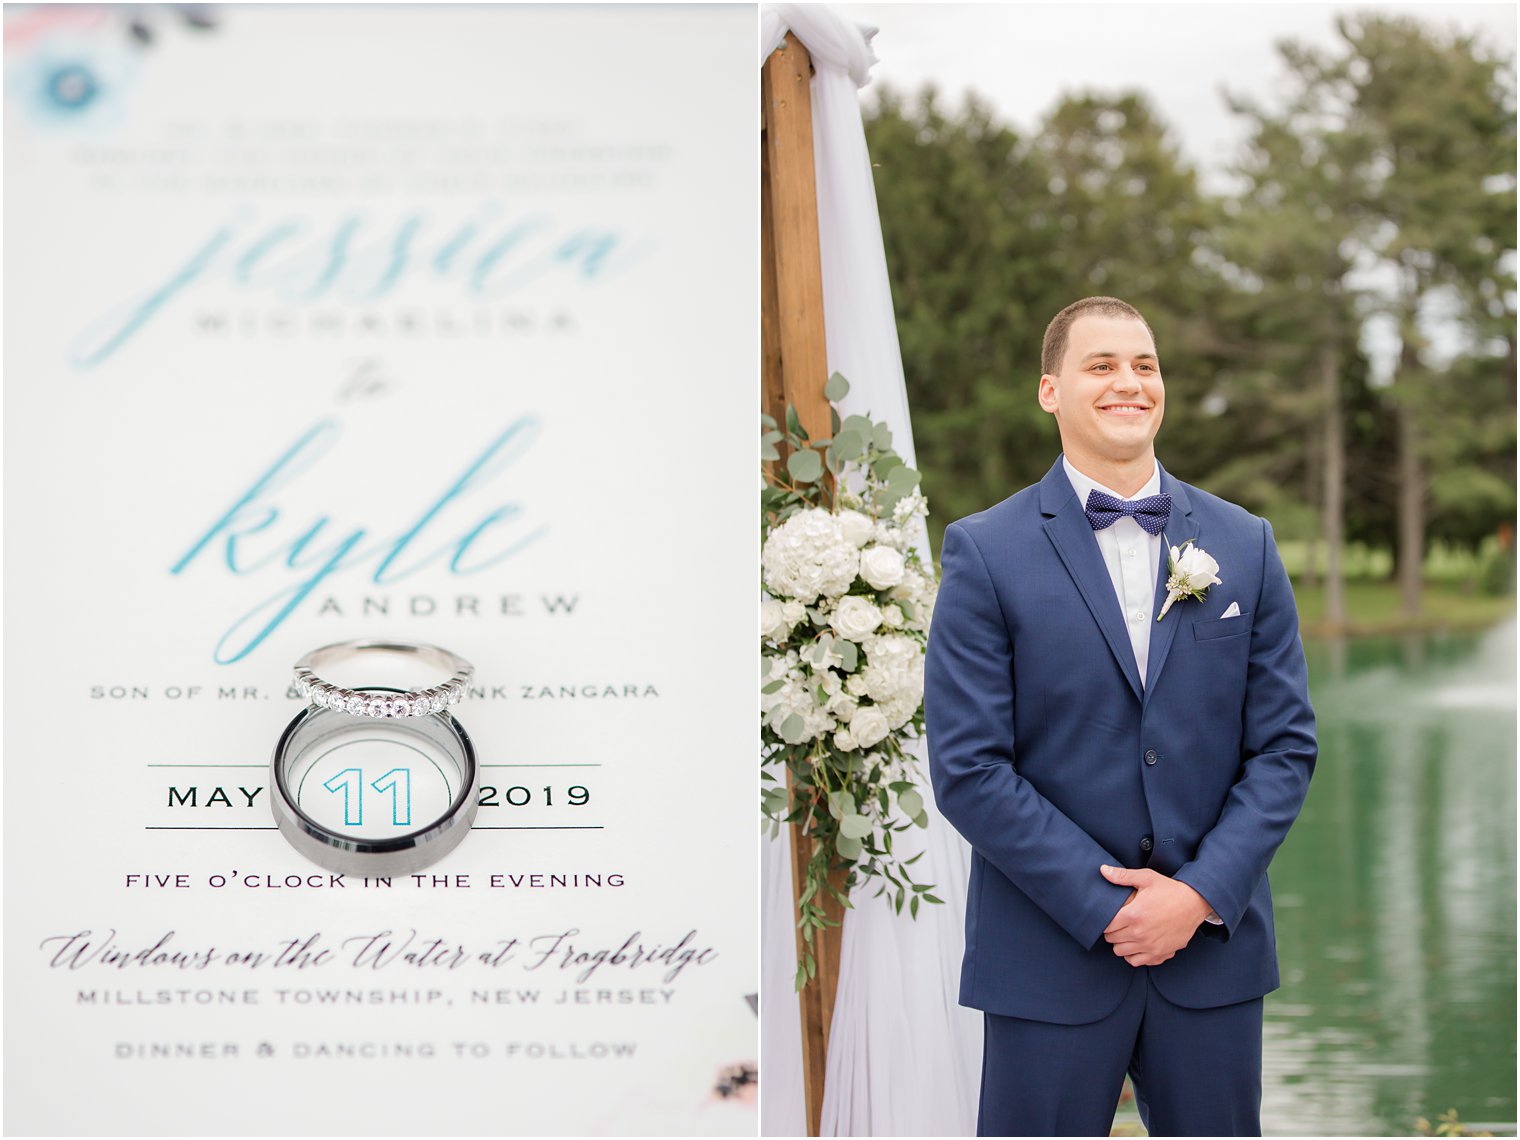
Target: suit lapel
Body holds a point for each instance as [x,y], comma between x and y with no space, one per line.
[1180,529]
[1072,536]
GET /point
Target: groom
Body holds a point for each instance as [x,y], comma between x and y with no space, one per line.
[1123,774]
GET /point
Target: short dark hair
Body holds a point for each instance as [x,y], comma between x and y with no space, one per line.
[1056,333]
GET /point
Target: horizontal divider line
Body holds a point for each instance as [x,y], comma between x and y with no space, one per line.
[476,827]
[550,765]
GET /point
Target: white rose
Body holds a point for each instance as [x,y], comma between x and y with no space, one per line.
[842,706]
[793,612]
[911,586]
[869,727]
[844,741]
[856,686]
[1193,569]
[854,527]
[773,623]
[891,616]
[882,567]
[855,617]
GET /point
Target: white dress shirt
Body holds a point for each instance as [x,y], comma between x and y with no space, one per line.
[1133,558]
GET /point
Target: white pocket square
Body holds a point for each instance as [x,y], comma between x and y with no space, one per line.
[1233,611]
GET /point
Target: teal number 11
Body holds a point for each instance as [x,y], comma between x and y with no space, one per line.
[350,781]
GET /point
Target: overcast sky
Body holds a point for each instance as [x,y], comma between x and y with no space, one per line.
[1022,57]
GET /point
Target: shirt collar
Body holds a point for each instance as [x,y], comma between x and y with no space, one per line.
[1082,484]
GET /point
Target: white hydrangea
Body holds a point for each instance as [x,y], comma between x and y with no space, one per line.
[885,534]
[911,587]
[894,669]
[808,556]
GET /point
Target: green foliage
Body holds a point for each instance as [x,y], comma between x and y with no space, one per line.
[1393,149]
[1447,1125]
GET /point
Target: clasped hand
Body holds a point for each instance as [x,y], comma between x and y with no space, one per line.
[1158,919]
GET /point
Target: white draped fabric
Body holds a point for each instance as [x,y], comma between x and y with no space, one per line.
[904,1058]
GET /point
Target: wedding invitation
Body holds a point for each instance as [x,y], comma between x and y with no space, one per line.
[421,323]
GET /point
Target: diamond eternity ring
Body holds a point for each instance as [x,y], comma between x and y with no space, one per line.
[417,702]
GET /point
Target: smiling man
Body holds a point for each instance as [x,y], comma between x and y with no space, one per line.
[1119,724]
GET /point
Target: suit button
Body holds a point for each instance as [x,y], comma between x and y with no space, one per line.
[1150,756]
[1146,844]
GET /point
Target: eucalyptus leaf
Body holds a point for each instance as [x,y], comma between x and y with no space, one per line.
[855,826]
[861,424]
[847,847]
[793,424]
[883,466]
[837,388]
[792,729]
[881,437]
[768,421]
[804,466]
[851,655]
[774,687]
[903,479]
[911,802]
[849,445]
[922,819]
[768,451]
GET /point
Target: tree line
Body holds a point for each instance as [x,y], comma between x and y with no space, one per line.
[1336,326]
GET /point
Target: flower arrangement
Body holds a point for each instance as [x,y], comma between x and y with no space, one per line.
[844,618]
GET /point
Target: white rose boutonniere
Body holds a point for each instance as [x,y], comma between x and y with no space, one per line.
[1190,571]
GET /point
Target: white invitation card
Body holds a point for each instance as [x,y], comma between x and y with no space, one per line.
[420,323]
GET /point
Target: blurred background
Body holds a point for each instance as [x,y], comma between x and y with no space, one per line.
[1314,206]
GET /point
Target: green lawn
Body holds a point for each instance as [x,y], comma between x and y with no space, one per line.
[1373,606]
[1460,591]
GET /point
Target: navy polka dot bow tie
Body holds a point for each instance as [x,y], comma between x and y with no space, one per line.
[1151,513]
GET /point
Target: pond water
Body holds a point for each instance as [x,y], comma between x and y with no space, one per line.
[1395,894]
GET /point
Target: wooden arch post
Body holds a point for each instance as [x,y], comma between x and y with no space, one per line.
[794,371]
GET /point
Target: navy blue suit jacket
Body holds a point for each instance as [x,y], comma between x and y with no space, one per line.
[1051,758]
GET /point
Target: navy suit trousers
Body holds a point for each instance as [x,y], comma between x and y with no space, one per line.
[1196,1072]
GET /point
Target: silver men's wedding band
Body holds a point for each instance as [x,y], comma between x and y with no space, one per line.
[417,702]
[402,854]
